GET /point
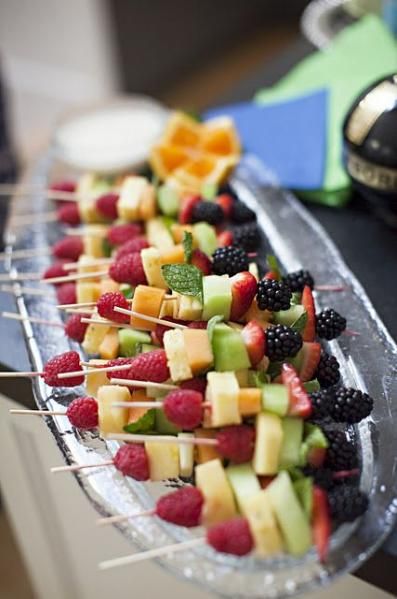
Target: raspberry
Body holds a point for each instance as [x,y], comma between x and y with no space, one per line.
[74,328]
[196,384]
[297,280]
[229,261]
[67,186]
[83,412]
[106,304]
[128,269]
[347,503]
[182,507]
[55,270]
[107,205]
[330,324]
[207,212]
[282,342]
[119,234]
[184,408]
[273,295]
[66,293]
[131,460]
[236,443]
[66,362]
[327,371]
[233,536]
[150,366]
[69,248]
[242,214]
[341,453]
[130,247]
[350,405]
[247,236]
[69,214]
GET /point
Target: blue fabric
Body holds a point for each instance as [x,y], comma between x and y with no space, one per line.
[289,137]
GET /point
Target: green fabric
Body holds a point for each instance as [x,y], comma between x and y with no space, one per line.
[359,55]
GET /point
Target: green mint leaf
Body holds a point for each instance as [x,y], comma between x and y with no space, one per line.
[273,264]
[184,278]
[187,243]
[144,424]
[300,323]
[312,386]
[106,248]
[212,324]
[127,290]
[296,298]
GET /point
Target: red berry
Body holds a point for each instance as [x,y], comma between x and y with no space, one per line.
[182,507]
[69,248]
[128,269]
[236,443]
[233,536]
[119,234]
[184,408]
[66,293]
[198,324]
[107,205]
[55,270]
[74,328]
[196,384]
[309,332]
[255,341]
[202,262]
[186,211]
[272,275]
[69,214]
[132,246]
[244,288]
[150,366]
[132,461]
[66,362]
[108,302]
[67,186]
[83,412]
[299,401]
[225,238]
[226,202]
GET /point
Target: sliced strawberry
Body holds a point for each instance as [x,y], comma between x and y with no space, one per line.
[188,204]
[273,275]
[316,456]
[310,352]
[225,201]
[299,401]
[225,238]
[309,332]
[202,262]
[244,288]
[254,338]
[321,522]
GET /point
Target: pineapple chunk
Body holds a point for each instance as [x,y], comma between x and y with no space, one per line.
[178,363]
[93,241]
[198,350]
[147,300]
[94,336]
[163,460]
[134,190]
[186,456]
[87,291]
[158,235]
[219,502]
[223,393]
[148,204]
[97,379]
[170,308]
[112,420]
[151,262]
[190,308]
[109,348]
[178,232]
[108,286]
[263,525]
[269,438]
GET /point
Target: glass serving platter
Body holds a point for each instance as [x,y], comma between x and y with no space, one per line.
[368,361]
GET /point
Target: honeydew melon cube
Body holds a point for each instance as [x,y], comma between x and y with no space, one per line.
[292,441]
[244,483]
[229,349]
[217,294]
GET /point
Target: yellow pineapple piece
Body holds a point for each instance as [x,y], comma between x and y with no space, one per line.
[135,191]
[198,350]
[87,291]
[186,456]
[178,232]
[190,308]
[219,504]
[269,438]
[112,420]
[94,336]
[171,307]
[151,262]
[108,286]
[178,363]
[263,525]
[158,235]
[148,204]
[223,393]
[109,348]
[93,240]
[97,379]
[147,300]
[163,460]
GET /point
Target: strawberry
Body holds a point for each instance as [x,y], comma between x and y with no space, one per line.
[225,201]
[244,288]
[299,401]
[254,338]
[225,238]
[69,248]
[186,212]
[309,332]
[316,456]
[273,275]
[311,352]
[321,522]
[202,262]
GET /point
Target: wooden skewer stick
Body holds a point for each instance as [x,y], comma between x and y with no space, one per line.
[33,319]
[21,254]
[159,405]
[77,467]
[92,262]
[7,189]
[92,304]
[123,517]
[19,290]
[131,383]
[84,232]
[27,219]
[134,438]
[335,288]
[174,325]
[151,553]
[37,412]
[108,323]
[79,311]
[22,276]
[18,375]
[66,375]
[76,277]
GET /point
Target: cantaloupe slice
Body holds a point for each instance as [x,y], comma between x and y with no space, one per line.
[175,255]
[198,350]
[148,205]
[178,232]
[147,300]
[206,453]
[249,401]
[109,348]
[135,413]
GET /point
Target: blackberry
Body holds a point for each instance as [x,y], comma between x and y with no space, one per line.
[330,324]
[229,260]
[347,503]
[322,477]
[350,405]
[273,295]
[208,212]
[297,280]
[320,404]
[241,213]
[327,371]
[282,342]
[247,236]
[341,453]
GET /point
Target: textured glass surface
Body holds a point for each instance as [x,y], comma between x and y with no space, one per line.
[368,362]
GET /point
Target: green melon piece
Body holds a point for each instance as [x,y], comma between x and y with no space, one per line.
[229,349]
